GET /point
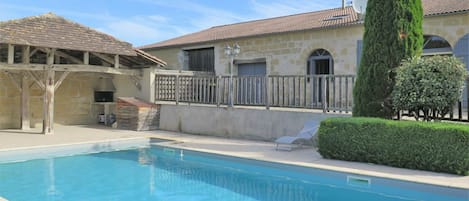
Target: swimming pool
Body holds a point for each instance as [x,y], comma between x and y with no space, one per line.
[159,173]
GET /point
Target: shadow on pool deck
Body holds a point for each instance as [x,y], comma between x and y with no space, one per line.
[13,139]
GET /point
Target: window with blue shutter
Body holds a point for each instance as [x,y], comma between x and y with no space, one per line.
[461,50]
[359,53]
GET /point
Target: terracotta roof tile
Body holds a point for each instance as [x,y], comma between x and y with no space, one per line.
[50,30]
[305,21]
[438,7]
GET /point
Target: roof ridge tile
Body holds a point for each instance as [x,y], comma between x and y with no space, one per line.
[290,23]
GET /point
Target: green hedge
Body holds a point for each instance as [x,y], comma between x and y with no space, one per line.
[439,147]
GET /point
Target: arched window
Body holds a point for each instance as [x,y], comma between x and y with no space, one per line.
[436,45]
[320,62]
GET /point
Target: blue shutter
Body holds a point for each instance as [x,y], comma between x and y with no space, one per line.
[461,51]
[359,52]
[252,69]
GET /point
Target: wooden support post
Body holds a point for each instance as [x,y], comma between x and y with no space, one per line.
[25,95]
[11,54]
[86,58]
[25,105]
[26,54]
[116,61]
[49,92]
[50,57]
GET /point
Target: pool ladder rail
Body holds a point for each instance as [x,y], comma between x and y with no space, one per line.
[356,181]
[172,152]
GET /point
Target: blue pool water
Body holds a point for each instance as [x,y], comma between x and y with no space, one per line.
[158,173]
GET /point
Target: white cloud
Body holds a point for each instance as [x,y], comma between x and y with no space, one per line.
[138,30]
[186,16]
[125,30]
[142,30]
[158,18]
[200,16]
[282,8]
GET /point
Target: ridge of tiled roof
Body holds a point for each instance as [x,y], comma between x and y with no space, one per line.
[53,31]
[298,22]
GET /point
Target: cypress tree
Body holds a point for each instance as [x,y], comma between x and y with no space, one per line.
[393,32]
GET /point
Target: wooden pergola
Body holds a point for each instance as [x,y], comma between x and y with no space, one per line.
[43,50]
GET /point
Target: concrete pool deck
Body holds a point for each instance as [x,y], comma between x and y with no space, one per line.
[16,139]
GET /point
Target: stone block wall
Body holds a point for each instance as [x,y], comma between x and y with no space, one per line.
[287,53]
[135,114]
[73,101]
[9,103]
[238,123]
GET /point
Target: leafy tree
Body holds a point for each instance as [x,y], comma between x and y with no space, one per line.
[393,32]
[429,85]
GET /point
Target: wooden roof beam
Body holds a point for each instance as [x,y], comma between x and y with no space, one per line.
[32,53]
[68,67]
[61,79]
[14,80]
[69,57]
[37,80]
[113,61]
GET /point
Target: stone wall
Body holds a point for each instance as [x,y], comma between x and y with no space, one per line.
[9,103]
[287,53]
[450,27]
[240,123]
[74,101]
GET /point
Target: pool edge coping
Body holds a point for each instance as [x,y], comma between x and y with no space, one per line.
[70,144]
[329,167]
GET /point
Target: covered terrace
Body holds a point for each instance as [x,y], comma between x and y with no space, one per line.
[42,51]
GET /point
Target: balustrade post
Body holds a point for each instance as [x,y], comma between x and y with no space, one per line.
[218,91]
[177,90]
[267,92]
[323,94]
[311,90]
[157,88]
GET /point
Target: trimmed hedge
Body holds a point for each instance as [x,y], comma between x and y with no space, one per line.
[438,147]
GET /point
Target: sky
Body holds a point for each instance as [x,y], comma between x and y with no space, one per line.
[143,22]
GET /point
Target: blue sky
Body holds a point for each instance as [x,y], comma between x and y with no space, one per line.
[143,22]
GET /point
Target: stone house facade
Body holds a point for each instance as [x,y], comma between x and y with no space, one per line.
[322,42]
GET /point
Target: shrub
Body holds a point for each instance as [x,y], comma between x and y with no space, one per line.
[429,85]
[433,146]
[393,32]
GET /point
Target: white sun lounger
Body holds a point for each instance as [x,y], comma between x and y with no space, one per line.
[306,134]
